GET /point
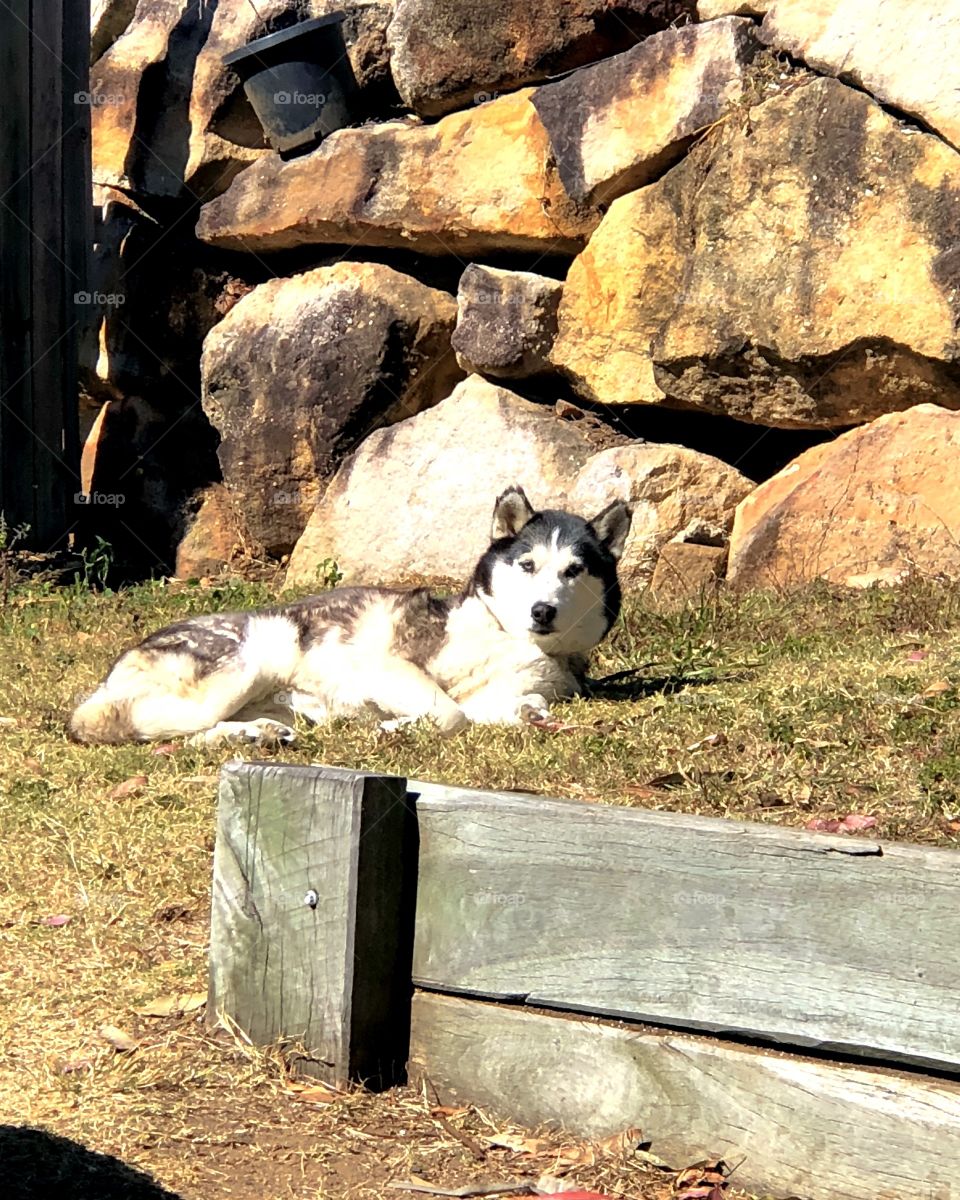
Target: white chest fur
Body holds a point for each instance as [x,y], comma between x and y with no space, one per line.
[483,667]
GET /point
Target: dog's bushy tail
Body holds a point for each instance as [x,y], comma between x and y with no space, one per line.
[102,718]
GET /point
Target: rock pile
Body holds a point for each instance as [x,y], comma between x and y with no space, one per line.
[615,210]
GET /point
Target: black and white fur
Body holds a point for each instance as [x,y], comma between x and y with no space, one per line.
[542,596]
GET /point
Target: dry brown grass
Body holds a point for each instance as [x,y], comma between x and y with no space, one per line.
[770,708]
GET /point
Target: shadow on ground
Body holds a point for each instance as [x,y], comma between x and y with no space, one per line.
[36,1165]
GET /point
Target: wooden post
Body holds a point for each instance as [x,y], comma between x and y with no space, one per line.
[312,923]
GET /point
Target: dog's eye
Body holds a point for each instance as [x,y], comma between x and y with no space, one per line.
[526,564]
[573,571]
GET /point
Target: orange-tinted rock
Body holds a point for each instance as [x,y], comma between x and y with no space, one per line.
[797,271]
[140,95]
[215,537]
[686,573]
[876,505]
[474,182]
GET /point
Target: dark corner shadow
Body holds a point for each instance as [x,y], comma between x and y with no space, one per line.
[37,1165]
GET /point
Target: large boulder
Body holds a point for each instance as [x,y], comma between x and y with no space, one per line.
[225,135]
[140,95]
[669,487]
[414,501]
[621,123]
[874,506]
[303,368]
[906,54]
[447,54]
[797,271]
[475,182]
[506,321]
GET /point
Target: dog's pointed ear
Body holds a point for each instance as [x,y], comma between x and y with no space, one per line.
[612,526]
[510,513]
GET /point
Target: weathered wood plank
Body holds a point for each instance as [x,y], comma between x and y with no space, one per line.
[15,253]
[691,922]
[802,1127]
[312,923]
[44,242]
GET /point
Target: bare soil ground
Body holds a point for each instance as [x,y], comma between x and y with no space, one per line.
[813,707]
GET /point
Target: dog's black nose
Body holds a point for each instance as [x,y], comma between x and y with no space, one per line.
[543,614]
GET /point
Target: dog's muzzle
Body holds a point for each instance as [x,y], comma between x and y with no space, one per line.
[543,616]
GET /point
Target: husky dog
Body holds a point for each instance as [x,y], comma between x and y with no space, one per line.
[543,595]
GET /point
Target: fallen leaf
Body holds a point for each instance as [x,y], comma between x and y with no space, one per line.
[937,688]
[823,825]
[852,823]
[665,783]
[119,1039]
[173,912]
[917,655]
[173,1006]
[856,821]
[702,1181]
[641,790]
[129,787]
[518,1143]
[617,1145]
[444,1110]
[165,748]
[33,764]
[69,1066]
[318,1094]
[709,743]
[567,411]
[55,921]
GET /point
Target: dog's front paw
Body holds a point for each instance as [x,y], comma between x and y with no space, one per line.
[260,732]
[532,714]
[448,724]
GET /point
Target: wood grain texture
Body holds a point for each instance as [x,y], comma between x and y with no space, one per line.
[804,939]
[333,975]
[45,208]
[802,1128]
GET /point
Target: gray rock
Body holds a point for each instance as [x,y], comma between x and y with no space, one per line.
[506,321]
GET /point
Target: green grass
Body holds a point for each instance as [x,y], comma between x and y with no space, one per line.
[762,707]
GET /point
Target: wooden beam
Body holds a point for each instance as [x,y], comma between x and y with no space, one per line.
[691,922]
[801,1127]
[312,923]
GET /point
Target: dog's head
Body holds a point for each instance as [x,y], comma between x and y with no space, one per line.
[551,577]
